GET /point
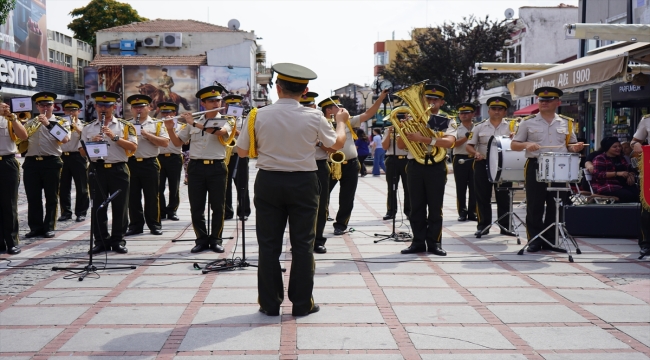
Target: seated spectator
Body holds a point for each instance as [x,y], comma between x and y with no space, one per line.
[612,175]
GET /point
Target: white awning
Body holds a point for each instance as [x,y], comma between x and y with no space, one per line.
[589,72]
[614,32]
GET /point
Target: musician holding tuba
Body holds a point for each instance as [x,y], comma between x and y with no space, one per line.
[10,130]
[111,172]
[145,168]
[207,171]
[75,167]
[426,169]
[42,166]
[243,208]
[349,166]
[171,165]
[643,134]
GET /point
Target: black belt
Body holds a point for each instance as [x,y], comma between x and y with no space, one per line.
[108,166]
[68,153]
[463,155]
[40,158]
[7,157]
[168,155]
[206,161]
[397,156]
[141,159]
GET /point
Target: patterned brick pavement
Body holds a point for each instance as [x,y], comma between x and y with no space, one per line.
[482,301]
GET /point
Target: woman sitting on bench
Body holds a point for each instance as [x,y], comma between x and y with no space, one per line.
[613,175]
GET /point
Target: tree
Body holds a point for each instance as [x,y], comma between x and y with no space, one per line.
[99,15]
[5,7]
[446,55]
[350,104]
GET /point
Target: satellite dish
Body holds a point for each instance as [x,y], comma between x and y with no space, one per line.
[233,24]
[509,13]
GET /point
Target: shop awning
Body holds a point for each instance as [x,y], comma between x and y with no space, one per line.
[614,32]
[528,110]
[589,72]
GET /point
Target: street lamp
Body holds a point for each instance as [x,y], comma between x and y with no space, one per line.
[365,93]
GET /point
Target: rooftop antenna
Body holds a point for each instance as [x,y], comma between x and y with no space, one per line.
[233,24]
[509,13]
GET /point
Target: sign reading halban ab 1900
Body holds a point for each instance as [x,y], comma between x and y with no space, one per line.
[18,74]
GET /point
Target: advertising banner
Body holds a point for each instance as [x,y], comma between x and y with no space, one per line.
[25,31]
[102,78]
[235,80]
[177,84]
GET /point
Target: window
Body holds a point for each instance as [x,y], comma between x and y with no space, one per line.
[381,58]
[514,54]
[51,56]
[68,61]
[67,40]
[58,37]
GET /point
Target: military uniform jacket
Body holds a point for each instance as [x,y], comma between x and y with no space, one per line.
[145,148]
[41,142]
[75,136]
[7,144]
[205,146]
[483,131]
[643,130]
[460,134]
[286,134]
[171,148]
[539,131]
[119,127]
[350,148]
[450,131]
[394,151]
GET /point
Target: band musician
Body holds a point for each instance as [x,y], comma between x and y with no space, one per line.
[75,167]
[463,164]
[171,166]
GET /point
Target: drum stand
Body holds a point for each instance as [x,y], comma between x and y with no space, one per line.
[560,228]
[513,228]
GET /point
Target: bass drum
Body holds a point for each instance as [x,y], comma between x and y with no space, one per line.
[504,165]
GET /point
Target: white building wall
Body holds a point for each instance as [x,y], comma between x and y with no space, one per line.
[544,38]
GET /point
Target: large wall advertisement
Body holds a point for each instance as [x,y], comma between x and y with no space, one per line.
[25,31]
[236,80]
[102,78]
[177,84]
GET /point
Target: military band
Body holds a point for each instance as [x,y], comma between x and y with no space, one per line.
[42,166]
[171,166]
[75,167]
[463,165]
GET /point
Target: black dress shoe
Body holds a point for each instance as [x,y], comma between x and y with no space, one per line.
[217,248]
[413,250]
[120,249]
[13,250]
[437,250]
[81,218]
[314,309]
[97,249]
[270,312]
[32,234]
[388,217]
[535,246]
[508,233]
[64,217]
[243,218]
[199,248]
[173,217]
[329,219]
[339,232]
[320,249]
[472,217]
[644,251]
[480,232]
[49,234]
[228,217]
[462,218]
[132,232]
[156,232]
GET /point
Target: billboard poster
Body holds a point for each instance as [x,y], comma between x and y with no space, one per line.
[236,80]
[25,31]
[178,84]
[102,78]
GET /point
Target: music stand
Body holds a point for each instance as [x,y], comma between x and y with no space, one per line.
[560,228]
[512,227]
[394,236]
[90,268]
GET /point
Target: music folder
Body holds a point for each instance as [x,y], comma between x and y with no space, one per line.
[438,123]
[235,111]
[138,129]
[58,131]
[215,123]
[97,149]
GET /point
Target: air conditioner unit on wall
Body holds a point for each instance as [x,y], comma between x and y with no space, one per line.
[151,41]
[173,39]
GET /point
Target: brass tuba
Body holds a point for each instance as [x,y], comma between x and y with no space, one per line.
[417,122]
[30,127]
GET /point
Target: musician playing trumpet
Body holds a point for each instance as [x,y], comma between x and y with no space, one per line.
[75,167]
[42,167]
[10,130]
[426,182]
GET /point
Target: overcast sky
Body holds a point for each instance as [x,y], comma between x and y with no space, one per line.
[334,38]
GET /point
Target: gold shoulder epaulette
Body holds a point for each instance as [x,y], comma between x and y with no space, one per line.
[646,116]
[129,126]
[565,117]
[527,117]
[481,122]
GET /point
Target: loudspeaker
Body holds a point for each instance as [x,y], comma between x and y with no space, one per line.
[611,221]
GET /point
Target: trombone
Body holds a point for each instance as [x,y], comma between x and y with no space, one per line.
[195,115]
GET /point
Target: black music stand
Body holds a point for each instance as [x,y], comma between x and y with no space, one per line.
[394,236]
[90,268]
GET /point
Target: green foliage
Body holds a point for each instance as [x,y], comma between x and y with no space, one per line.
[446,55]
[99,15]
[350,104]
[5,7]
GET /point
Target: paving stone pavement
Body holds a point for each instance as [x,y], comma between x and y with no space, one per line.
[482,301]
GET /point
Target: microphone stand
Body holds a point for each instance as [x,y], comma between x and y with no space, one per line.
[90,268]
[402,236]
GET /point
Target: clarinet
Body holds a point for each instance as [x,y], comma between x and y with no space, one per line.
[101,133]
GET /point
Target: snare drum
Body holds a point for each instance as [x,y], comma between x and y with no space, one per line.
[558,167]
[504,164]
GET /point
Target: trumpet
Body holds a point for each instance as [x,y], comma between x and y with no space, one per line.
[195,115]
